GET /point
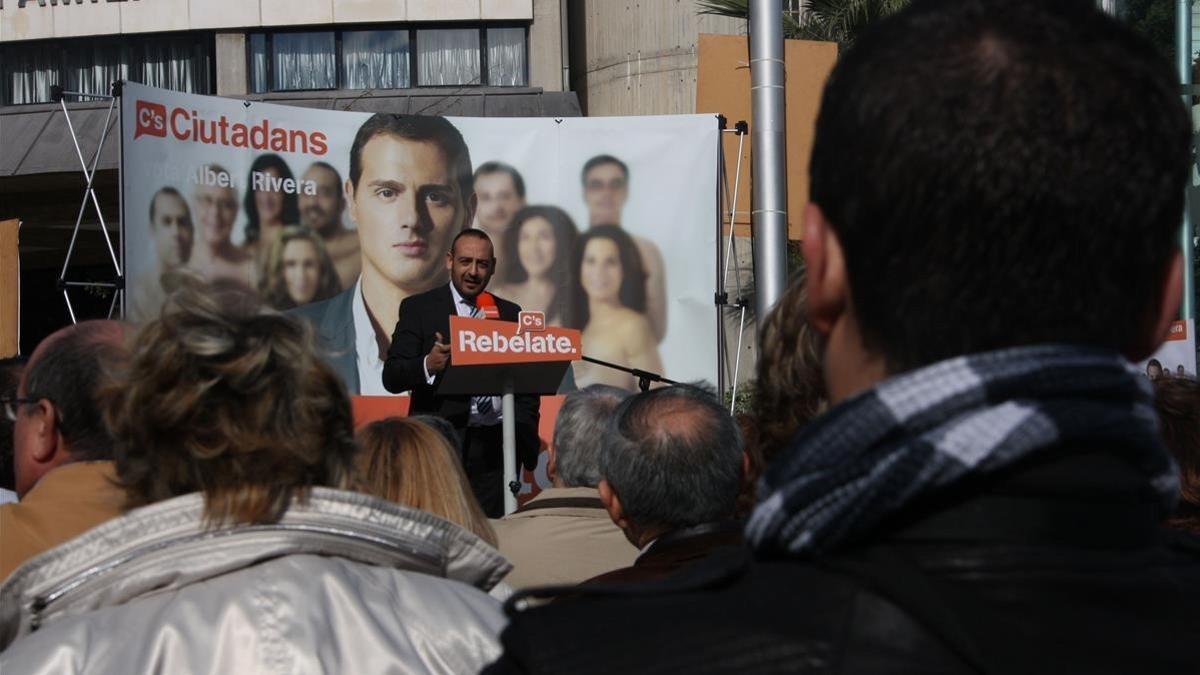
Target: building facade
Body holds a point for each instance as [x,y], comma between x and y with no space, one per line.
[447,57]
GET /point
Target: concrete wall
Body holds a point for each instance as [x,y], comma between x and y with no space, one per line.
[545,46]
[230,57]
[639,57]
[39,19]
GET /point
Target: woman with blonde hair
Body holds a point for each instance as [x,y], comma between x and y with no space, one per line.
[411,463]
[246,552]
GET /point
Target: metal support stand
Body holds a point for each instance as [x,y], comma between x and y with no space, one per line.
[741,302]
[58,95]
[1183,52]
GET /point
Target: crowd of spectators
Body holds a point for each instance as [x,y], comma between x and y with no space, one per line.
[953,465]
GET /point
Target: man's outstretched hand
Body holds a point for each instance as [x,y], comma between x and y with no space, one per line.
[439,356]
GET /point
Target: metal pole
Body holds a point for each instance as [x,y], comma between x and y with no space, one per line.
[1183,52]
[769,163]
[508,427]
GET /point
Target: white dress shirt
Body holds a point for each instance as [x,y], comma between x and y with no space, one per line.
[370,366]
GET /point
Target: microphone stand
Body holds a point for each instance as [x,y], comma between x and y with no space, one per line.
[644,377]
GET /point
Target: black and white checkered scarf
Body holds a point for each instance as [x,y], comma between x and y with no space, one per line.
[919,431]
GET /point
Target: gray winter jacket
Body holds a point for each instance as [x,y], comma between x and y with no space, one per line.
[344,583]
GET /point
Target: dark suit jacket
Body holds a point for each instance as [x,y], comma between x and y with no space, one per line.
[421,316]
[675,550]
[333,321]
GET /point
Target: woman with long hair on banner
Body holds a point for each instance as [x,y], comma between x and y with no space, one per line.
[268,211]
[298,270]
[538,272]
[608,303]
[411,463]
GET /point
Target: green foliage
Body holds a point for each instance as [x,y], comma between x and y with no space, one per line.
[745,398]
[839,21]
[1153,20]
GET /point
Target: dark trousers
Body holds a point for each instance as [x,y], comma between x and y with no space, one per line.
[483,461]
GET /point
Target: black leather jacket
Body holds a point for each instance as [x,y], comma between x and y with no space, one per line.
[1057,566]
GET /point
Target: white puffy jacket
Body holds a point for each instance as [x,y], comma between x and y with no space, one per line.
[344,583]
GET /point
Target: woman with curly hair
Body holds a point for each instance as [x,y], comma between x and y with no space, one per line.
[244,551]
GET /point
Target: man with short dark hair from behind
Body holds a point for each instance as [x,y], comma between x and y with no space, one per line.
[564,534]
[992,238]
[62,449]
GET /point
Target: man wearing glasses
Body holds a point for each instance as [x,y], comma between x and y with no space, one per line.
[62,450]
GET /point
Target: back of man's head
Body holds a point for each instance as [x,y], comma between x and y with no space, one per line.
[579,432]
[67,369]
[1000,173]
[673,456]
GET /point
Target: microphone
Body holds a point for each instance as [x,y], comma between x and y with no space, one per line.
[487,303]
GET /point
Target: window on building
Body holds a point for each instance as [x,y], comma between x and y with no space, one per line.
[304,61]
[506,57]
[375,59]
[388,59]
[447,57]
[90,66]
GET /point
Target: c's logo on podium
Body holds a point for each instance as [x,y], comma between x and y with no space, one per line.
[531,322]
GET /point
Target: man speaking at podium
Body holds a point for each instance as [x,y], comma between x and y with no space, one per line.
[419,355]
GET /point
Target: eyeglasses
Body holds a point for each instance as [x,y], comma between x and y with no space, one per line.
[11,403]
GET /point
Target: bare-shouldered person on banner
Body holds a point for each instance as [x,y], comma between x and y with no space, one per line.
[215,205]
[608,303]
[538,246]
[321,212]
[605,191]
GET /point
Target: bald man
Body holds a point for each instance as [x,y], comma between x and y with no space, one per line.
[62,451]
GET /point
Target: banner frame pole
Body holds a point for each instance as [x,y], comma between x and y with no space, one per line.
[508,422]
[720,296]
[118,89]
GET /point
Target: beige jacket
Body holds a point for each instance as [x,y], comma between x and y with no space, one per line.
[68,501]
[562,536]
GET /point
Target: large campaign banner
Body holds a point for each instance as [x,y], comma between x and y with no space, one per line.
[605,224]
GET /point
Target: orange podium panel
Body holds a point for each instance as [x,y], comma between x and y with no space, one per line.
[487,355]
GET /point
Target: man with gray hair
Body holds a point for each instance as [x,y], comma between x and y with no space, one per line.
[672,466]
[564,535]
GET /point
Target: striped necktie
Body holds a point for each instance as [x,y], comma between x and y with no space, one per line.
[483,404]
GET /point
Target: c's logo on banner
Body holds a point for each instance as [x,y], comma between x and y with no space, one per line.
[151,119]
[531,322]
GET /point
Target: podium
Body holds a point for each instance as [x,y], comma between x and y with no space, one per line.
[505,358]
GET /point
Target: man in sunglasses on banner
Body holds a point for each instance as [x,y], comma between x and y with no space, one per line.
[419,355]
